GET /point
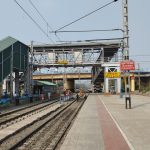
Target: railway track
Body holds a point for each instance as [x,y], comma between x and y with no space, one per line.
[15,116]
[44,133]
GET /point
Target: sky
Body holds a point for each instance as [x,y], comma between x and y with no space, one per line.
[57,13]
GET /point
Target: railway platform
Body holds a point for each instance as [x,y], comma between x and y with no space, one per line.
[104,123]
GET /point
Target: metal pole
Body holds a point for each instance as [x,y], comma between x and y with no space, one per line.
[126,48]
[11,73]
[102,56]
[126,35]
[79,78]
[2,66]
[27,84]
[139,77]
[125,30]
[64,89]
[31,69]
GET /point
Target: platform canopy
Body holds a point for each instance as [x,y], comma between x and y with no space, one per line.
[39,82]
[13,55]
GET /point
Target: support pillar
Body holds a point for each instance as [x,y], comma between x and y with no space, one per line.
[13,83]
[4,86]
[27,75]
[132,85]
[118,81]
[110,68]
[11,73]
[1,91]
[17,82]
[69,84]
[106,82]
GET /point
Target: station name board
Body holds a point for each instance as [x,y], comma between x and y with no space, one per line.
[112,74]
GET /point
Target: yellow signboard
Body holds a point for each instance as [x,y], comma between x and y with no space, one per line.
[63,62]
[112,75]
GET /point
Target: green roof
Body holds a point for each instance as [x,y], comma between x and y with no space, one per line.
[47,83]
[20,56]
[5,43]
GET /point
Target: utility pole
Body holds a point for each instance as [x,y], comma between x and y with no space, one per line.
[126,49]
[139,77]
[31,71]
[27,78]
[125,30]
[11,72]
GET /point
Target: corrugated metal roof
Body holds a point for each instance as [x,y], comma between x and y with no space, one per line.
[20,56]
[47,83]
[5,43]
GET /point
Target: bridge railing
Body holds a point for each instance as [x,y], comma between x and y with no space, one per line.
[77,62]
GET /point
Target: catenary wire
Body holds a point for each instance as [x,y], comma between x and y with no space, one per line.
[33,5]
[85,15]
[33,21]
[93,40]
[87,30]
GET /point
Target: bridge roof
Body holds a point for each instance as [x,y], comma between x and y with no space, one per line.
[79,45]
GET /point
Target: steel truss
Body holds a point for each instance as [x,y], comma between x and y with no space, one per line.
[75,55]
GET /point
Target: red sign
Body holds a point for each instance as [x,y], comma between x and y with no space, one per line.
[127,65]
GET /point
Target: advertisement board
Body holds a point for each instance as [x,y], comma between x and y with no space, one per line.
[127,65]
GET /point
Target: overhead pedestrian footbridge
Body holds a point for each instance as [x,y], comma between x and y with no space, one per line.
[81,54]
[92,54]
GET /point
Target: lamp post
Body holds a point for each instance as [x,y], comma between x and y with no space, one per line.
[126,42]
[125,30]
[126,50]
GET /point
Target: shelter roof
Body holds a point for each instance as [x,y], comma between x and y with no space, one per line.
[13,52]
[6,42]
[46,83]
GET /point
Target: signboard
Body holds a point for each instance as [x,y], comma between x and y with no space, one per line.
[64,62]
[127,65]
[112,75]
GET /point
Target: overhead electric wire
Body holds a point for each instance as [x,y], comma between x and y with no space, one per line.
[33,5]
[88,30]
[86,15]
[92,40]
[33,21]
[144,61]
[39,13]
[147,55]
